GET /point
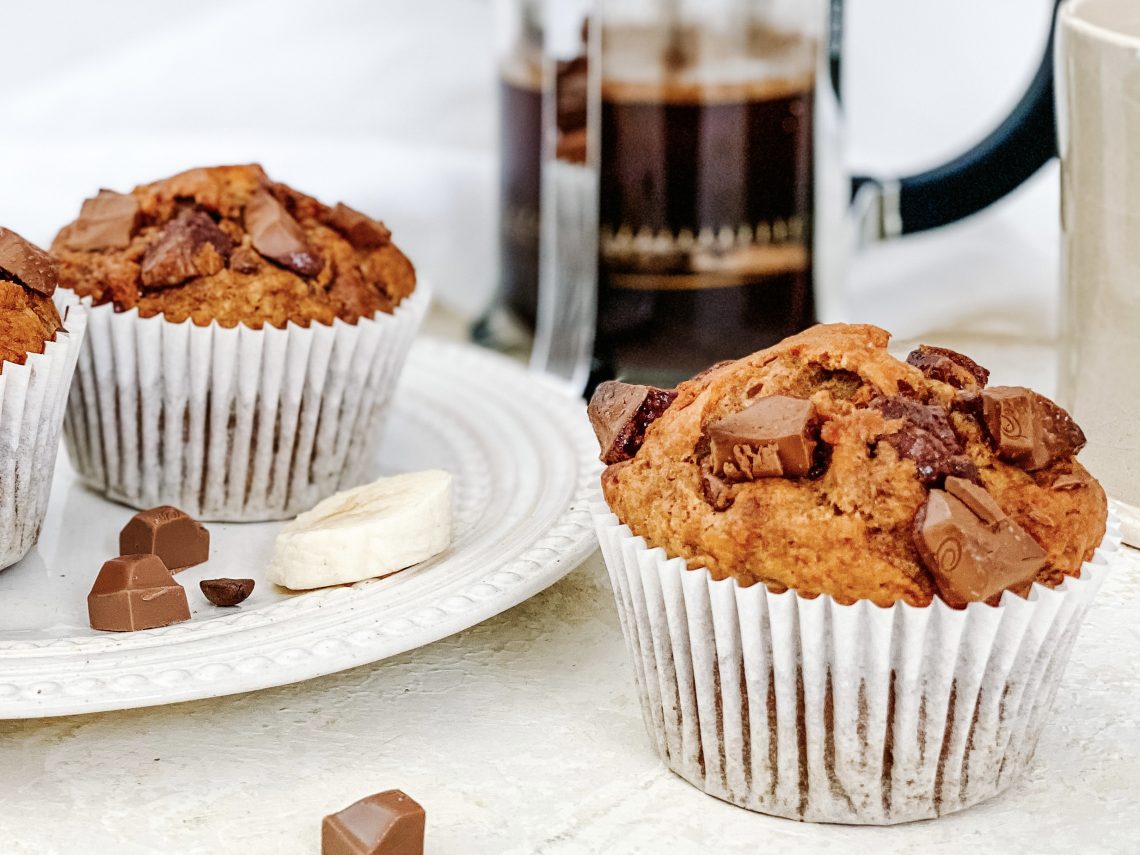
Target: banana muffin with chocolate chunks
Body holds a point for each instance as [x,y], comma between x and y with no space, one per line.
[849,583]
[227,244]
[257,332]
[825,465]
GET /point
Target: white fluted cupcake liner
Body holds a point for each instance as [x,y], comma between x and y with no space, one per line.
[233,424]
[33,400]
[812,710]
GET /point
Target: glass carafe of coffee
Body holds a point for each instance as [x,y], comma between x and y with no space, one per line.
[706,191]
[720,210]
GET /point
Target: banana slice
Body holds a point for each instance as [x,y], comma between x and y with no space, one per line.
[366,532]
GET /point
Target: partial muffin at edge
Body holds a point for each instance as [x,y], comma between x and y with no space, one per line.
[28,316]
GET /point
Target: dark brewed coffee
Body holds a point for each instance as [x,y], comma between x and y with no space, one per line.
[706,207]
[520,157]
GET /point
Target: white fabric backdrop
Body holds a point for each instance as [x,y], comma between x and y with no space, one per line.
[389,105]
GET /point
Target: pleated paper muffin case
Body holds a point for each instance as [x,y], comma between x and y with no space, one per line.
[808,709]
[233,424]
[33,401]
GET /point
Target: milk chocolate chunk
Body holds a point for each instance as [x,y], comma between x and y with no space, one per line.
[770,438]
[925,437]
[362,231]
[279,237]
[226,592]
[190,245]
[949,366]
[174,536]
[621,412]
[1028,429]
[971,548]
[388,823]
[107,221]
[26,264]
[135,592]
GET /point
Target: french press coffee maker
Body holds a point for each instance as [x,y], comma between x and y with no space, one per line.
[673,187]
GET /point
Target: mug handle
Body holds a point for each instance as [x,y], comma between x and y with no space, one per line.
[999,164]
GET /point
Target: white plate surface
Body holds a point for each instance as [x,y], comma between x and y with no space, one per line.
[525,469]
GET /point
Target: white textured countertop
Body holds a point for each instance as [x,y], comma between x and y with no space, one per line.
[523,735]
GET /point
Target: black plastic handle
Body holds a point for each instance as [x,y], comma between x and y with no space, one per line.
[999,164]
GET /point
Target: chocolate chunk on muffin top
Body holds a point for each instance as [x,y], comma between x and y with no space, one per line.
[227,244]
[28,317]
[825,465]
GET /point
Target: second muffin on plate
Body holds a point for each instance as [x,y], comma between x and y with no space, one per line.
[243,345]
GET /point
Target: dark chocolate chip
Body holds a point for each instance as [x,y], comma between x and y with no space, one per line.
[190,245]
[949,366]
[925,437]
[245,260]
[226,592]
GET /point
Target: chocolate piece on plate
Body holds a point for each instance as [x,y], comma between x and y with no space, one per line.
[973,550]
[949,366]
[620,413]
[388,823]
[769,438]
[27,264]
[173,535]
[362,231]
[1028,429]
[190,245]
[226,592]
[135,592]
[279,237]
[107,221]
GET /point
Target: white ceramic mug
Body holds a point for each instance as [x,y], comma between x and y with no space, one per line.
[1098,109]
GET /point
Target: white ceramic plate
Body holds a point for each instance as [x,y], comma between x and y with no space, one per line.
[525,469]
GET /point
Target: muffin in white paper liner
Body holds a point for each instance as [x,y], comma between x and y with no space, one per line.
[233,424]
[812,710]
[33,400]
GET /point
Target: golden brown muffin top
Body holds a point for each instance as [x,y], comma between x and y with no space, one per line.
[843,494]
[227,244]
[28,317]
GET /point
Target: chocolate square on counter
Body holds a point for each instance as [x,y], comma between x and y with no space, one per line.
[770,438]
[173,535]
[388,823]
[135,592]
